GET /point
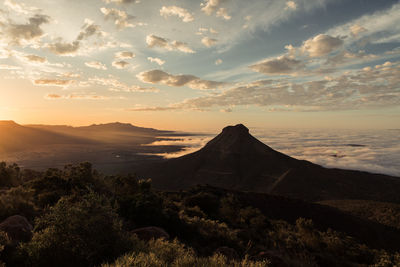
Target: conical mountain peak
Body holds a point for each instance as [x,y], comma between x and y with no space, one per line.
[237,129]
[235,139]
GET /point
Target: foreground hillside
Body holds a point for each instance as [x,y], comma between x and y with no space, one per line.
[78,217]
[236,160]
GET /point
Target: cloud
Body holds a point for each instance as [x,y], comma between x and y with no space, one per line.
[218,61]
[156,60]
[356,30]
[156,41]
[53,82]
[23,34]
[122,1]
[210,6]
[117,86]
[19,7]
[210,30]
[182,13]
[161,77]
[120,18]
[379,27]
[376,87]
[120,64]
[53,96]
[88,29]
[291,5]
[96,65]
[208,41]
[348,57]
[35,58]
[223,13]
[151,109]
[71,49]
[124,55]
[80,97]
[278,66]
[321,45]
[64,49]
[9,67]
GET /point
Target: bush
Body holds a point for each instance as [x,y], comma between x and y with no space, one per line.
[77,232]
[160,253]
[17,200]
[9,175]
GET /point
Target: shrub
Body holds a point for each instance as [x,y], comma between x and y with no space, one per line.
[77,232]
[160,253]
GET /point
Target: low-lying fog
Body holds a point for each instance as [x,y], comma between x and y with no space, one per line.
[369,150]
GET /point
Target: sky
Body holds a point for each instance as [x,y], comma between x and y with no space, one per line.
[201,65]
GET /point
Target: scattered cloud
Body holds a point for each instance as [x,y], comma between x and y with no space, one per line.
[24,34]
[115,85]
[35,58]
[356,30]
[291,5]
[151,109]
[121,64]
[208,41]
[210,6]
[120,18]
[9,67]
[53,82]
[365,88]
[156,41]
[80,97]
[122,1]
[20,7]
[71,49]
[184,14]
[382,26]
[223,13]
[156,60]
[278,66]
[124,55]
[162,77]
[96,65]
[207,30]
[321,45]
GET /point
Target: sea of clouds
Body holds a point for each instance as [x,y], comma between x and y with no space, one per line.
[375,151]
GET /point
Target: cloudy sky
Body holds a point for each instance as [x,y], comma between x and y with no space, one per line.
[191,65]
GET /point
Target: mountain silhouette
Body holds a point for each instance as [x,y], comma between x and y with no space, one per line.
[15,137]
[115,132]
[236,160]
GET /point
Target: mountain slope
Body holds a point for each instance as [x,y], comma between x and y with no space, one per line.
[110,132]
[236,160]
[15,137]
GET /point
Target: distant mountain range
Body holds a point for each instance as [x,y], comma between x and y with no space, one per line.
[16,137]
[236,160]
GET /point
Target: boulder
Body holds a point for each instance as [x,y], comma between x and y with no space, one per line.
[150,232]
[17,228]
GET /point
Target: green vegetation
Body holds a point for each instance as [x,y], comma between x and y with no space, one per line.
[83,218]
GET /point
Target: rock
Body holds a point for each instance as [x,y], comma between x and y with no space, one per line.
[228,252]
[17,228]
[150,232]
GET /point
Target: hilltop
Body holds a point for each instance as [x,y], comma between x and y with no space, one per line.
[236,160]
